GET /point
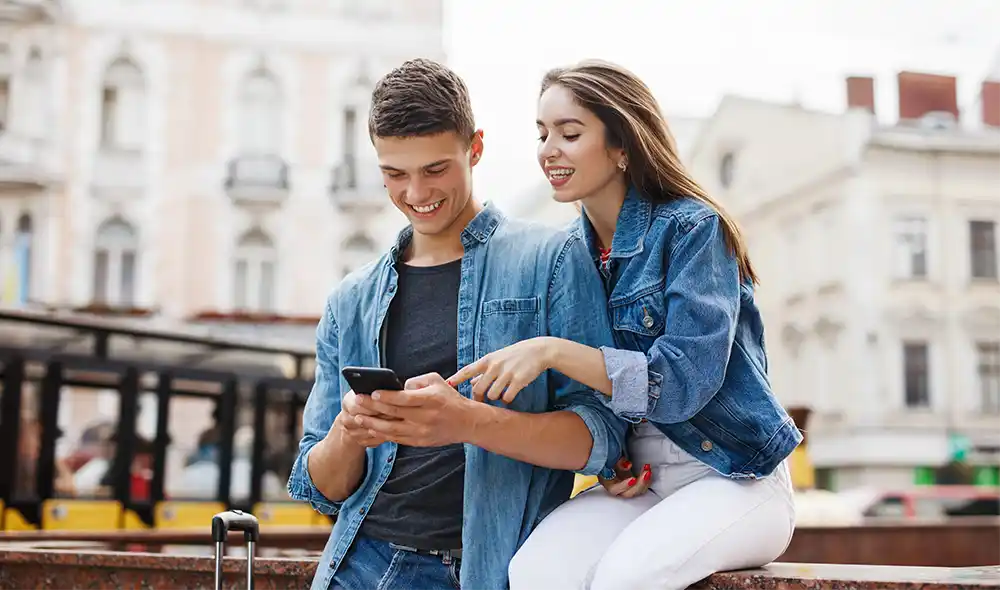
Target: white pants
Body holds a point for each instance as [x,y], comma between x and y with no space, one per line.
[691,523]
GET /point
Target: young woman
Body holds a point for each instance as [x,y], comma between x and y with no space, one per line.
[689,371]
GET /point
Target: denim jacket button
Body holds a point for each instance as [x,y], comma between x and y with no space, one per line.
[647,321]
[706,445]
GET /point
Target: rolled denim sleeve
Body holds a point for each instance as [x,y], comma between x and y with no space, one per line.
[630,383]
[578,312]
[686,365]
[321,408]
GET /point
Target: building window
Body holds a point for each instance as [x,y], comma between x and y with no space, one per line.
[989,376]
[32,118]
[357,250]
[916,374]
[350,147]
[123,107]
[115,264]
[727,169]
[983,249]
[23,257]
[260,114]
[255,273]
[4,102]
[911,247]
[7,70]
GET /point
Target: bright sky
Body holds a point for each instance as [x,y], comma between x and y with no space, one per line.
[692,53]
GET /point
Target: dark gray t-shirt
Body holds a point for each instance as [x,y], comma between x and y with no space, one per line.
[420,504]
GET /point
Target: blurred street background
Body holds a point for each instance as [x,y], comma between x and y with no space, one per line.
[202,167]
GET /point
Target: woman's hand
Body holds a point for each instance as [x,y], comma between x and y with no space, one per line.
[625,484]
[505,372]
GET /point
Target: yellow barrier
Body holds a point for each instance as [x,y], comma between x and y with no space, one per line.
[321,520]
[802,471]
[13,520]
[283,514]
[582,483]
[81,515]
[185,515]
[132,521]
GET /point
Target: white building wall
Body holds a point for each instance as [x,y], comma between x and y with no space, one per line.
[817,194]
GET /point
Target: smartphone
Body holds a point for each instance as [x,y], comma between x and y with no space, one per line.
[367,379]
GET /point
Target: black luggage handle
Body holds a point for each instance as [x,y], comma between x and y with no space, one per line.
[234,520]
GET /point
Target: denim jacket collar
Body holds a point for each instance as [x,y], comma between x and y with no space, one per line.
[478,230]
[630,229]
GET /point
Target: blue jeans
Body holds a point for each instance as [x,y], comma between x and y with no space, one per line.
[371,564]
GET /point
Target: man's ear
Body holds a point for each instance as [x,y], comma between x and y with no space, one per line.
[476,149]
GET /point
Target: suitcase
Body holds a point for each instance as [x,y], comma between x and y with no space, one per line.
[234,520]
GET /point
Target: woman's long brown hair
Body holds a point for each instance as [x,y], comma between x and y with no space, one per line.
[635,124]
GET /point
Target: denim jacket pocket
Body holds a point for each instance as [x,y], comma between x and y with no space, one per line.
[505,321]
[639,320]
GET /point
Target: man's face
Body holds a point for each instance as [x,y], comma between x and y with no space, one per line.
[429,178]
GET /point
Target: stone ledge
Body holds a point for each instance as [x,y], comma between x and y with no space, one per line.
[805,576]
[115,570]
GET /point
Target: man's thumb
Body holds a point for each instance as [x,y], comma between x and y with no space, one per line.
[421,381]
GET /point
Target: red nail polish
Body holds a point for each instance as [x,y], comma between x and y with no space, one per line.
[632,482]
[627,465]
[645,467]
[647,476]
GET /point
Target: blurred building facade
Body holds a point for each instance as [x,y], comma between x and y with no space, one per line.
[193,156]
[877,248]
[195,165]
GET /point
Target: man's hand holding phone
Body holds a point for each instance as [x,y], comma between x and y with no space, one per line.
[347,420]
[336,464]
[427,412]
[356,402]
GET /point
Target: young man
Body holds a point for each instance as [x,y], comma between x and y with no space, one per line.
[431,487]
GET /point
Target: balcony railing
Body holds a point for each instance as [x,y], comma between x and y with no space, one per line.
[28,11]
[357,187]
[257,180]
[22,161]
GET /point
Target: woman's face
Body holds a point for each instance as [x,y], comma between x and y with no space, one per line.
[572,147]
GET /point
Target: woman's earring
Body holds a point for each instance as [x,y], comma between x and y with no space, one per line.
[622,165]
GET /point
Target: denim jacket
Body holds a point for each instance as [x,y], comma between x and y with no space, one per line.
[518,281]
[690,355]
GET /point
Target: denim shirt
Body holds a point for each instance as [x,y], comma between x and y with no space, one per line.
[518,281]
[690,355]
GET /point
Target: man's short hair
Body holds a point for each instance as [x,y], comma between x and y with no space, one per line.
[421,97]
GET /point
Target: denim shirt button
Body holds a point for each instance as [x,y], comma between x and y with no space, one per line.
[706,445]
